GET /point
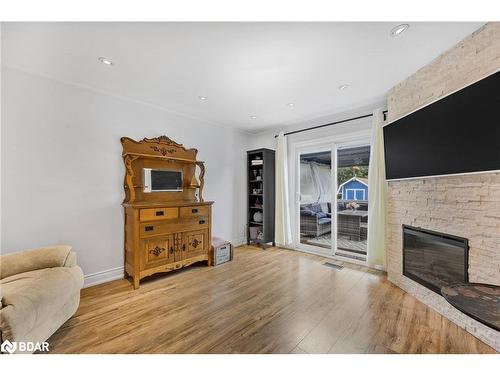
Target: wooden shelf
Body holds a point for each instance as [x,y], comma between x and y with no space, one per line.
[257,223]
[256,208]
[257,195]
[256,180]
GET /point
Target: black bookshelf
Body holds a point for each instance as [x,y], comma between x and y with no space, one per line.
[260,172]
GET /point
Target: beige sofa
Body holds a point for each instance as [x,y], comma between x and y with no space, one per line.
[39,291]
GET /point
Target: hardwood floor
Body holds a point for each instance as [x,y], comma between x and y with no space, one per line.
[264,301]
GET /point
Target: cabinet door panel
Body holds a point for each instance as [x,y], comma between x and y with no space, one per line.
[156,251]
[179,246]
[195,243]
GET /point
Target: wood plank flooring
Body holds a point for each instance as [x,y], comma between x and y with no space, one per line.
[264,301]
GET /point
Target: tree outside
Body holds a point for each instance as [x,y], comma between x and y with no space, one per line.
[346,173]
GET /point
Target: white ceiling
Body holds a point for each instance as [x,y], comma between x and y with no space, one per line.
[244,69]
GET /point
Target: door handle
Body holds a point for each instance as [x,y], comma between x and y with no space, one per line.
[201,222]
[194,210]
[171,249]
[160,213]
[148,228]
[184,247]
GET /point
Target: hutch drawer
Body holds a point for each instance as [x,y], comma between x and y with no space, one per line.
[149,214]
[194,211]
[162,228]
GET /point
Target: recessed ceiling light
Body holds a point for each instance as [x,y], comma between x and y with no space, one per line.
[291,104]
[202,97]
[253,117]
[343,87]
[105,61]
[399,29]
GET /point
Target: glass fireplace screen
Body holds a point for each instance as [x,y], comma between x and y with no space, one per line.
[434,259]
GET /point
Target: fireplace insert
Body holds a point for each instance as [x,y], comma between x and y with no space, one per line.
[434,259]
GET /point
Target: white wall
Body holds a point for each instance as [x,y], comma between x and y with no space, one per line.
[62,169]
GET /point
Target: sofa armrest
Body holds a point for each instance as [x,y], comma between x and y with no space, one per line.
[35,259]
[70,260]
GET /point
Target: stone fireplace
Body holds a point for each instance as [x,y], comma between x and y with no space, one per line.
[466,206]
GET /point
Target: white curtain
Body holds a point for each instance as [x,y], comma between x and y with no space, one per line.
[323,175]
[315,183]
[377,195]
[282,232]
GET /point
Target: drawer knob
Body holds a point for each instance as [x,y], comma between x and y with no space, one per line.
[201,222]
[160,213]
[171,249]
[194,210]
[148,228]
[184,247]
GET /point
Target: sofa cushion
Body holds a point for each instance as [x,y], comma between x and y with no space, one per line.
[306,212]
[315,207]
[320,215]
[325,220]
[31,298]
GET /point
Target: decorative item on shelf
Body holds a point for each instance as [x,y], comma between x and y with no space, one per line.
[257,191]
[260,235]
[353,206]
[254,172]
[257,217]
[257,203]
[258,177]
[257,161]
[254,232]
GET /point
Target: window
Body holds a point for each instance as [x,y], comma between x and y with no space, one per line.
[355,194]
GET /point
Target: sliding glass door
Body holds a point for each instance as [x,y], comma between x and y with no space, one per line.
[352,200]
[315,198]
[331,207]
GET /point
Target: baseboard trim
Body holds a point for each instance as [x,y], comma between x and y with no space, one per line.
[240,242]
[103,276]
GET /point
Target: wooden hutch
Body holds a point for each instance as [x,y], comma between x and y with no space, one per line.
[164,230]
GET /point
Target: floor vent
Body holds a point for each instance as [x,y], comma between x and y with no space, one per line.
[333,265]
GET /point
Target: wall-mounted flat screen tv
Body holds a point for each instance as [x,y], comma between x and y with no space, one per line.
[457,134]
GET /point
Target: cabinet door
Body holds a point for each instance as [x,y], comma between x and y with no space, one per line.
[157,251]
[195,243]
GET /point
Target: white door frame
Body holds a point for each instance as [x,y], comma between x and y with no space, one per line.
[333,143]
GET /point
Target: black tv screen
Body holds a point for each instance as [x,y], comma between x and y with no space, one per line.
[459,133]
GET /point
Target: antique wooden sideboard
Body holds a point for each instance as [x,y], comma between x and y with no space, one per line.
[164,230]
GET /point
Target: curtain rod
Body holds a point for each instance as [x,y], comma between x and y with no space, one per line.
[332,123]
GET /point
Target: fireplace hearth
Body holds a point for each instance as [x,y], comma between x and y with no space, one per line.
[434,259]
